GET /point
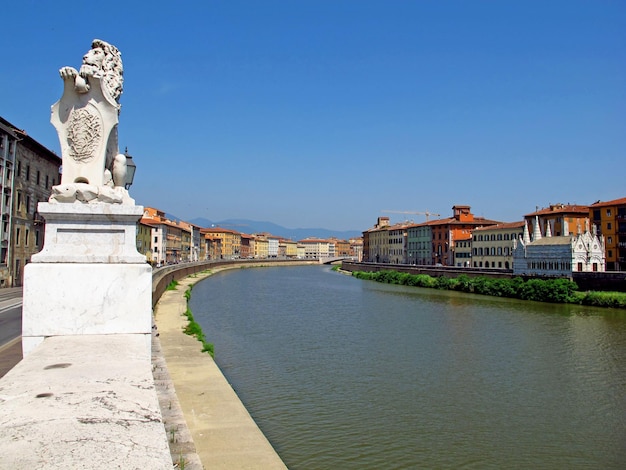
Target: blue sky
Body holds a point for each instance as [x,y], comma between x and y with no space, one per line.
[324,113]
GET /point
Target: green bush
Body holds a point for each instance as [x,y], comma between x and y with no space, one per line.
[443,283]
[541,290]
[602,299]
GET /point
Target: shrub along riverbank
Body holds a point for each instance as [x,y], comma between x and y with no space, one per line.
[541,290]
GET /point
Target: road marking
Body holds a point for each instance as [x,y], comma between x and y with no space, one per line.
[10,344]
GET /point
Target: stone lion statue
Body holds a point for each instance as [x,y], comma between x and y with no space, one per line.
[103,61]
[88,134]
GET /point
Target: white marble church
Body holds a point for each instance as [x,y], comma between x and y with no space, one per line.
[548,256]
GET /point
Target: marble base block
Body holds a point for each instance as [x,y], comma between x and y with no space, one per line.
[89,233]
[85,298]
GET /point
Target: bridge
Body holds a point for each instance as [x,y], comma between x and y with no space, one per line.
[93,401]
[335,259]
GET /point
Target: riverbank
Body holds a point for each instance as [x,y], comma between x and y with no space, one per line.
[212,424]
[552,290]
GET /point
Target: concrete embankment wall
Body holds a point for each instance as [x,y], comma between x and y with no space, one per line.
[162,277]
[433,271]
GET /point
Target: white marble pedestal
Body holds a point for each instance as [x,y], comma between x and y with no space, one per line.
[89,277]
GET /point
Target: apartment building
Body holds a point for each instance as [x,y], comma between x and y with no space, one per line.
[144,239]
[213,247]
[492,246]
[288,248]
[230,240]
[315,248]
[247,246]
[463,252]
[261,247]
[419,244]
[171,239]
[28,170]
[397,243]
[610,219]
[376,242]
[356,248]
[446,231]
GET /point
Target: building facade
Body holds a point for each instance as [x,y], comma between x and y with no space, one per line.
[28,172]
[610,219]
[231,240]
[492,246]
[419,244]
[376,242]
[562,219]
[557,256]
[445,231]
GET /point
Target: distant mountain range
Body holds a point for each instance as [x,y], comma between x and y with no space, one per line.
[255,226]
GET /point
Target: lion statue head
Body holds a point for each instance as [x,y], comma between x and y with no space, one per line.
[104,61]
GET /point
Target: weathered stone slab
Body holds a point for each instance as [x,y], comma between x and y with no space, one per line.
[82,402]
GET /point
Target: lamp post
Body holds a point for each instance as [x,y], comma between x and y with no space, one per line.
[130,170]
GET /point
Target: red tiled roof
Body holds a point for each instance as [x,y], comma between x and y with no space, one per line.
[503,225]
[614,202]
[561,209]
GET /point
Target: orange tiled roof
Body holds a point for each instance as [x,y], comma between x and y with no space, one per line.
[503,225]
[614,202]
[561,209]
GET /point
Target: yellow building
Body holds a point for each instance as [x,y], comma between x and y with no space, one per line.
[288,248]
[492,246]
[261,247]
[230,240]
[376,242]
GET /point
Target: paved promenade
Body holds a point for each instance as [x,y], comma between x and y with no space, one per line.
[224,433]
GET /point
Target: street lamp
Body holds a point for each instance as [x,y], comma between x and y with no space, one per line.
[130,170]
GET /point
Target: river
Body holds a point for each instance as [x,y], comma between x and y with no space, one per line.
[341,373]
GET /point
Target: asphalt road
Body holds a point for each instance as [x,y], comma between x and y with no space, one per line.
[10,328]
[10,323]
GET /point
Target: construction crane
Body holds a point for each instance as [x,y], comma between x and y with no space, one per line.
[426,213]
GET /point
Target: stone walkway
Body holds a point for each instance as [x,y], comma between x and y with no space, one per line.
[220,433]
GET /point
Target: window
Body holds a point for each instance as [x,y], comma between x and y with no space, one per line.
[17,236]
[26,236]
[609,226]
[47,181]
[27,172]
[608,212]
[27,204]
[38,177]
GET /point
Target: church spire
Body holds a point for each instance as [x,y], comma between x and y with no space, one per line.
[537,231]
[526,238]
